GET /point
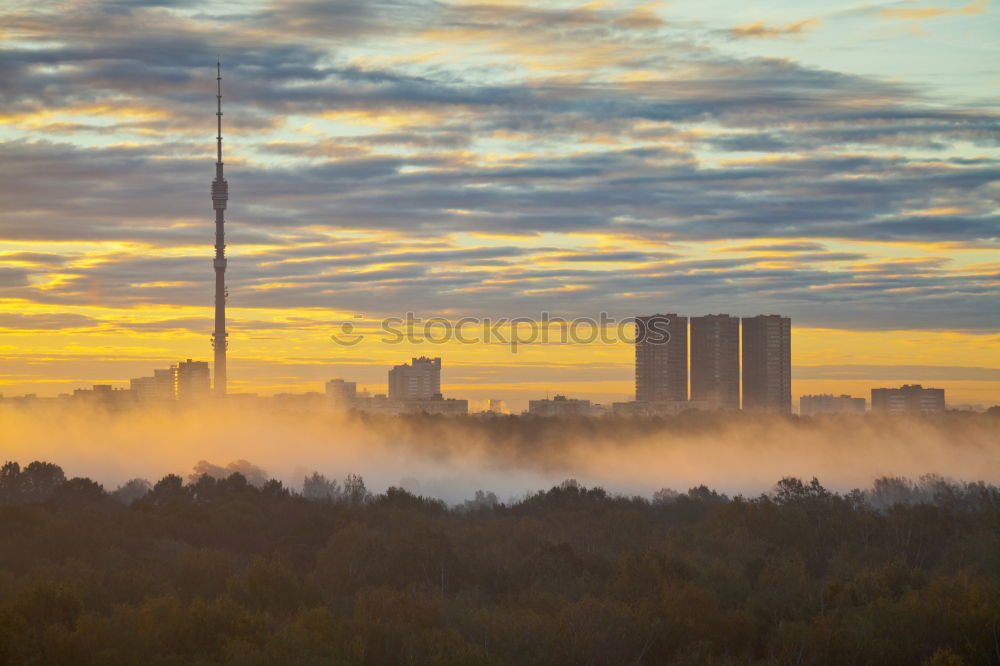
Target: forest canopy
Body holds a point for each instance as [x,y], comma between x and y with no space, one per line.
[221,570]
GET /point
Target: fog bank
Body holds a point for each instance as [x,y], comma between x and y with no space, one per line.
[452,458]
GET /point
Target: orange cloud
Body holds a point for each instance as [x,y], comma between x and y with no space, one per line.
[643,16]
[915,13]
[760,29]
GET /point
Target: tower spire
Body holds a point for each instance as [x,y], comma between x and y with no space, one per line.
[220,195]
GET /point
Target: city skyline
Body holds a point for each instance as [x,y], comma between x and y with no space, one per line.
[416,386]
[691,361]
[396,165]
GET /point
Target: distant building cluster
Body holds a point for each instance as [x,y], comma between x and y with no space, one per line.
[907,399]
[811,405]
[670,351]
[662,354]
[412,388]
[186,381]
[712,362]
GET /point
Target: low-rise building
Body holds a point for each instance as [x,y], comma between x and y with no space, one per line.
[104,395]
[560,405]
[810,405]
[161,387]
[908,399]
[341,392]
[436,405]
[664,408]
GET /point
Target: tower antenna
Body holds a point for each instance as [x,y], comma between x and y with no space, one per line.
[220,195]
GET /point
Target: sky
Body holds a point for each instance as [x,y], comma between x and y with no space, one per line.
[836,163]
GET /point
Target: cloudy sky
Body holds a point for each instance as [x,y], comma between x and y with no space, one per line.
[499,159]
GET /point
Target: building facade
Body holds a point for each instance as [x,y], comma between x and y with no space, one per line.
[193,380]
[105,396]
[715,361]
[158,388]
[647,409]
[661,358]
[420,380]
[341,392]
[810,405]
[559,405]
[767,363]
[908,399]
[437,405]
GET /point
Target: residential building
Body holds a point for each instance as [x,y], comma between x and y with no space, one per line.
[908,399]
[767,363]
[341,392]
[810,405]
[105,396]
[666,408]
[661,358]
[158,388]
[436,405]
[715,360]
[193,380]
[420,380]
[377,404]
[560,405]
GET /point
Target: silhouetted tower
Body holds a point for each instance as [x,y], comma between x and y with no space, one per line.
[220,194]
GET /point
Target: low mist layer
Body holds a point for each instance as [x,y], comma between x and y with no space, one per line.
[451,458]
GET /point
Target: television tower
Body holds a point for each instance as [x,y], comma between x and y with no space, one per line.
[220,194]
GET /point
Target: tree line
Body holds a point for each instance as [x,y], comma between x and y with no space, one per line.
[219,569]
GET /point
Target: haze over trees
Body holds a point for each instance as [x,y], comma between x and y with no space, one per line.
[220,570]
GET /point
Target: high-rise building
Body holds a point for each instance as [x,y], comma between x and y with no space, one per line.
[715,360]
[908,399]
[193,380]
[420,380]
[767,363]
[661,358]
[810,405]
